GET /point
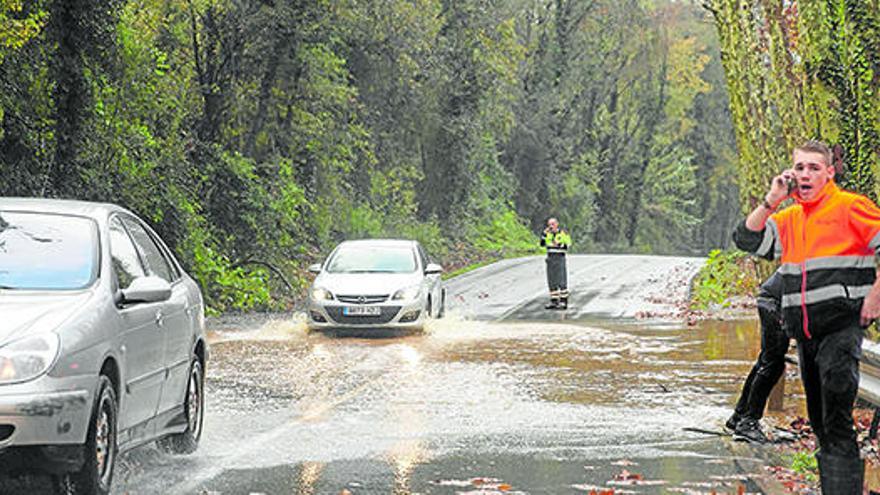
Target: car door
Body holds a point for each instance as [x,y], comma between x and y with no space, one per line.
[432,282]
[174,321]
[142,343]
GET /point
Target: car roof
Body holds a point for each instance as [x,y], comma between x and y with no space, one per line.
[380,243]
[60,206]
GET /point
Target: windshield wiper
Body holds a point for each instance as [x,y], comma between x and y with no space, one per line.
[371,271]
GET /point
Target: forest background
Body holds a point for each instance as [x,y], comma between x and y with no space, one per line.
[255,134]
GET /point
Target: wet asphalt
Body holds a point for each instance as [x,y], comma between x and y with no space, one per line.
[501,396]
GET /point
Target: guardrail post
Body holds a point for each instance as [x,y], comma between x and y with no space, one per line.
[776,401]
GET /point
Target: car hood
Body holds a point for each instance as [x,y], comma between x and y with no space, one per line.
[366,283]
[35,313]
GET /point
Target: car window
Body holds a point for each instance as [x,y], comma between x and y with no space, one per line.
[154,260]
[40,251]
[372,259]
[124,256]
[166,253]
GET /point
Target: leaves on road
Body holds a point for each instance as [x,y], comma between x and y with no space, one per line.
[481,485]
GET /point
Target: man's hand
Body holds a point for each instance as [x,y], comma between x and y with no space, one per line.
[777,194]
[779,188]
[871,306]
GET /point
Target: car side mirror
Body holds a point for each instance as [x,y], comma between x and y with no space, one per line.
[316,268]
[146,290]
[433,269]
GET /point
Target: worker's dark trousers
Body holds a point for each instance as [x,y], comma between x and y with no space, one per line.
[768,368]
[830,373]
[557,275]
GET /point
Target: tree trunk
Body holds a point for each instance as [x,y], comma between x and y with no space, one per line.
[70,94]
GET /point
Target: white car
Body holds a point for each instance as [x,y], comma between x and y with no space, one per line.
[388,284]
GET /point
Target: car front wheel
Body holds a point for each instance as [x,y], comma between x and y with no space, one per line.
[187,441]
[96,474]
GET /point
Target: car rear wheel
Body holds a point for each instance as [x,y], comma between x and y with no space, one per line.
[96,474]
[187,441]
[442,312]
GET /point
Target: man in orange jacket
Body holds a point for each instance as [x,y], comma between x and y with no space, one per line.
[826,242]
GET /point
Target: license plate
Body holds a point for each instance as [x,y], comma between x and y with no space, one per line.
[362,311]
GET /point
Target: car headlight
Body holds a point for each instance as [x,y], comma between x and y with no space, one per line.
[319,294]
[408,293]
[27,358]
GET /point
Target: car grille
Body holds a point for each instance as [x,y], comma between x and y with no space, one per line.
[388,314]
[362,299]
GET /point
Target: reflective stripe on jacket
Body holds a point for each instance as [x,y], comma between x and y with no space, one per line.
[557,242]
[827,249]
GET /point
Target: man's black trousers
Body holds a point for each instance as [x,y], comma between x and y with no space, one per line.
[767,369]
[557,275]
[830,372]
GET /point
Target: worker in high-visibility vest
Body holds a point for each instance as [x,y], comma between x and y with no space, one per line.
[827,242]
[557,241]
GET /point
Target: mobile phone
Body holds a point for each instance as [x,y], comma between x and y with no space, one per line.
[792,184]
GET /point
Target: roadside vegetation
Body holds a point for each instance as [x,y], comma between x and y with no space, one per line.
[727,277]
[255,135]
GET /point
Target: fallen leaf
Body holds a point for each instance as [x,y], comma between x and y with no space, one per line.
[628,476]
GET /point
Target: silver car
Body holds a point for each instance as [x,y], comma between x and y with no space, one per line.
[376,284]
[102,341]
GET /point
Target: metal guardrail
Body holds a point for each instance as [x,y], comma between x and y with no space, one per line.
[869,381]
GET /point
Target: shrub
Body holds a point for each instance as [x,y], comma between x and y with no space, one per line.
[725,274]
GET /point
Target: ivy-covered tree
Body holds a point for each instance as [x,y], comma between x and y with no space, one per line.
[798,70]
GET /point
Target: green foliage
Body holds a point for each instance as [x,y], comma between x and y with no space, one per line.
[256,135]
[429,234]
[505,234]
[226,286]
[805,463]
[725,274]
[17,25]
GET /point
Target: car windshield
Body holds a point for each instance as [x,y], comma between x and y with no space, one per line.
[373,259]
[41,251]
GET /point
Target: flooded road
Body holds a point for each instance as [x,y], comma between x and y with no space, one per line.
[502,396]
[542,406]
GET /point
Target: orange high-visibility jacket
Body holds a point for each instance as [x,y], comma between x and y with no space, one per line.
[827,248]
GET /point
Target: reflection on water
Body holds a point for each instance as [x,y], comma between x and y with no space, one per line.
[404,458]
[310,473]
[620,365]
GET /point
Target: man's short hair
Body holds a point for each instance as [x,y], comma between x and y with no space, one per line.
[816,146]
